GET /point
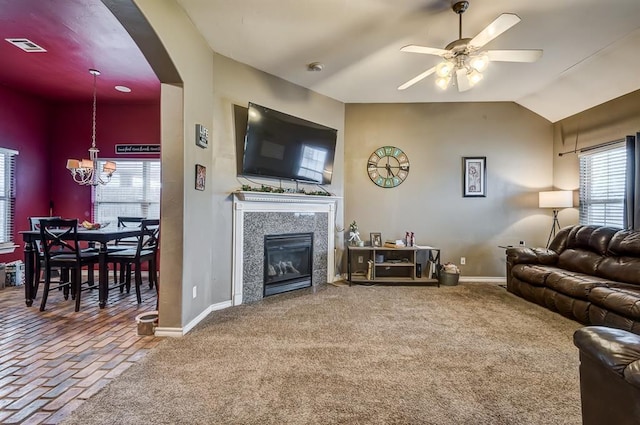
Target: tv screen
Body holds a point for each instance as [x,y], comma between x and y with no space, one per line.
[281,146]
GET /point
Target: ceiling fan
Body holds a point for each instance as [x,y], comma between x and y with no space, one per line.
[464,58]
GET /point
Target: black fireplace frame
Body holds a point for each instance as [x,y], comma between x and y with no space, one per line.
[291,284]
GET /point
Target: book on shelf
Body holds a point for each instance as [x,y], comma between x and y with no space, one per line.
[394,244]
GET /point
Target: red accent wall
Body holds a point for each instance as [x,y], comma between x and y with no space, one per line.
[23,126]
[46,135]
[71,138]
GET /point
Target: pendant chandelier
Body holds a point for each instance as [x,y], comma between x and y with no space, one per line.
[84,172]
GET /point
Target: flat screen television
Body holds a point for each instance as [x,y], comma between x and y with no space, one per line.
[281,146]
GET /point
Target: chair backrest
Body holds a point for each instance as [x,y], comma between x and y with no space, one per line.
[149,237]
[59,236]
[34,224]
[128,222]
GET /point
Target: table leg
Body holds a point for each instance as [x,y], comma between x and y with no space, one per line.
[29,266]
[103,279]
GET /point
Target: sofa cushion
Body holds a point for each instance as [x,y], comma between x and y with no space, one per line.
[620,269]
[592,238]
[533,274]
[620,298]
[576,285]
[625,243]
[580,261]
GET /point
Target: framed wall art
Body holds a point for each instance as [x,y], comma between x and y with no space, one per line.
[376,239]
[201,176]
[202,136]
[474,176]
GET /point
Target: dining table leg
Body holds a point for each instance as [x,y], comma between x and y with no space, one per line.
[103,279]
[29,271]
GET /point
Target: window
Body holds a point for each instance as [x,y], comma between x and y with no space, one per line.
[602,186]
[7,193]
[134,191]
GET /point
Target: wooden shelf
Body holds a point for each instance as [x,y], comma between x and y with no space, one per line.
[399,265]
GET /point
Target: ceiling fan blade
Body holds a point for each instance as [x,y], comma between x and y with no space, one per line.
[461,80]
[514,55]
[417,78]
[494,29]
[412,48]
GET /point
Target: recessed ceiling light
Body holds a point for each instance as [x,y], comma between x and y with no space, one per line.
[123,89]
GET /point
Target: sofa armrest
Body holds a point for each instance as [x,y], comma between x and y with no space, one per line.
[615,349]
[525,255]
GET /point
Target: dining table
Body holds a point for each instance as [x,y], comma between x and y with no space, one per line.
[100,236]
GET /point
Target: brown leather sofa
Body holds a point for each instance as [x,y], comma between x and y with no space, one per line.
[590,274]
[609,375]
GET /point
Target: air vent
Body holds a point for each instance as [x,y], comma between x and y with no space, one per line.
[26,45]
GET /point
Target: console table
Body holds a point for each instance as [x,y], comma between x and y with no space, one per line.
[370,264]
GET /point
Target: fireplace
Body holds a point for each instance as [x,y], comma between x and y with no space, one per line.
[288,262]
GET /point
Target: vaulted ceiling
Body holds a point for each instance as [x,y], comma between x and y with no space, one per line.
[591,48]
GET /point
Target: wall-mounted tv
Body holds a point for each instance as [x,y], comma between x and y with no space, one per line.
[281,146]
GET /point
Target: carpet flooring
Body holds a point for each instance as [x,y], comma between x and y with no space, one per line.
[466,354]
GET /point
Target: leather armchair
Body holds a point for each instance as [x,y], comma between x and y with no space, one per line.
[609,375]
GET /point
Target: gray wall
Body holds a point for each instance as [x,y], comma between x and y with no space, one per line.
[212,84]
[518,147]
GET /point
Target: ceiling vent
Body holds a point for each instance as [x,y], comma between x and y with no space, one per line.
[26,45]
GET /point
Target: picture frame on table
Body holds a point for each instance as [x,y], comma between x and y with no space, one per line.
[376,239]
[474,176]
[201,176]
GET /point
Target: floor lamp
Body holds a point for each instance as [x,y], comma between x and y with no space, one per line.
[555,199]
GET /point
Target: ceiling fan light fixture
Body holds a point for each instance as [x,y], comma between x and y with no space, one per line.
[443,82]
[444,68]
[474,77]
[479,62]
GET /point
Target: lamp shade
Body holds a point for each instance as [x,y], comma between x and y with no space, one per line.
[555,199]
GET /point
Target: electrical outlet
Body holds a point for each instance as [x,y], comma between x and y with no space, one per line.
[522,243]
[360,259]
[195,291]
[463,261]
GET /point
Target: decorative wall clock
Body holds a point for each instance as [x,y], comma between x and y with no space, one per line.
[388,166]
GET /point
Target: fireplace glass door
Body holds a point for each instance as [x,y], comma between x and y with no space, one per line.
[287,262]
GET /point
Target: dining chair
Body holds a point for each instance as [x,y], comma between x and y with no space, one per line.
[61,248]
[34,224]
[124,243]
[146,250]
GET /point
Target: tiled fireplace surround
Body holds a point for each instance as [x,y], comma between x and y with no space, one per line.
[257,214]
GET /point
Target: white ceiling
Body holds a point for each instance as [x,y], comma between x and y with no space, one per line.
[591,47]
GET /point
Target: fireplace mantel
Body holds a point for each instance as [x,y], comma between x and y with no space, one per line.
[288,209]
[250,196]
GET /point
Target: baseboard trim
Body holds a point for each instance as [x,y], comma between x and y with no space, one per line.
[177,332]
[483,279]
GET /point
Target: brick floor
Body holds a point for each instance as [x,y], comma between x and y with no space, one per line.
[51,361]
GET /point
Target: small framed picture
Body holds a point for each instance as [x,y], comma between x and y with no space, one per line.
[202,136]
[474,176]
[201,176]
[376,239]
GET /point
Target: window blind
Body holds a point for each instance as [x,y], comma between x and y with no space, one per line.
[134,191]
[602,186]
[7,193]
